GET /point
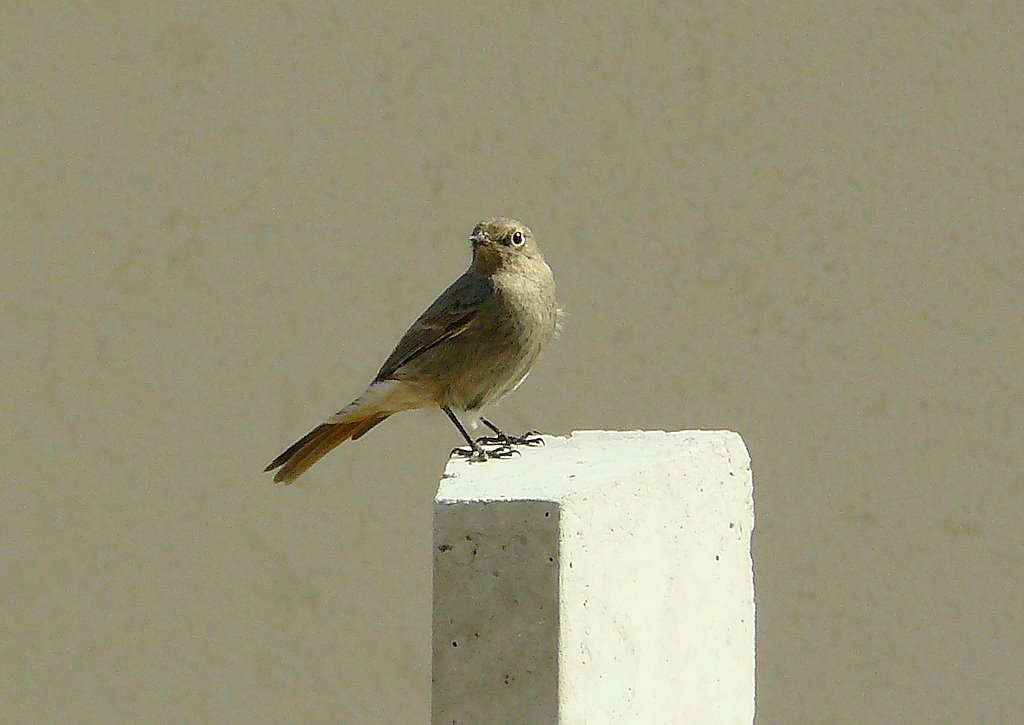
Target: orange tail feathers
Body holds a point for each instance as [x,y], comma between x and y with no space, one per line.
[318,443]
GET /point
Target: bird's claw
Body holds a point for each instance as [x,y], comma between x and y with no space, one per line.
[503,451]
[480,454]
[530,438]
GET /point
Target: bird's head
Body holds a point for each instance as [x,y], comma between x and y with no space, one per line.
[500,242]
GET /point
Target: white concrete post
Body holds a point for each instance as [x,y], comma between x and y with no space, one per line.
[603,578]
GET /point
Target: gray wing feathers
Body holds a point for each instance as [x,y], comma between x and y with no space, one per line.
[449,315]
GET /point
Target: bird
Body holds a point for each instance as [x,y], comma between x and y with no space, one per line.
[471,347]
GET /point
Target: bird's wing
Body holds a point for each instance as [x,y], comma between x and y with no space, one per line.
[449,315]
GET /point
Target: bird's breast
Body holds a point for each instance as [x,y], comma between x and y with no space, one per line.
[507,336]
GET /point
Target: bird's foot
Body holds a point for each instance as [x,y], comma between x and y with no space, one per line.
[479,454]
[503,451]
[473,454]
[530,438]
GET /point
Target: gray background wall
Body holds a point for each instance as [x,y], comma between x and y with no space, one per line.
[799,221]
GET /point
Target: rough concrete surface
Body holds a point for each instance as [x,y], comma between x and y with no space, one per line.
[603,579]
[799,221]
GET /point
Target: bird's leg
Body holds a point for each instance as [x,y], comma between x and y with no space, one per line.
[475,451]
[529,438]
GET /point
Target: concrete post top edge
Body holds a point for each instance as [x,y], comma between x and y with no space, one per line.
[584,460]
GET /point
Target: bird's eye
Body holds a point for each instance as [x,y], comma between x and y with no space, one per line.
[517,238]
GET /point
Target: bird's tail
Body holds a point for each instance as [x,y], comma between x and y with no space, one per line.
[380,400]
[320,441]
